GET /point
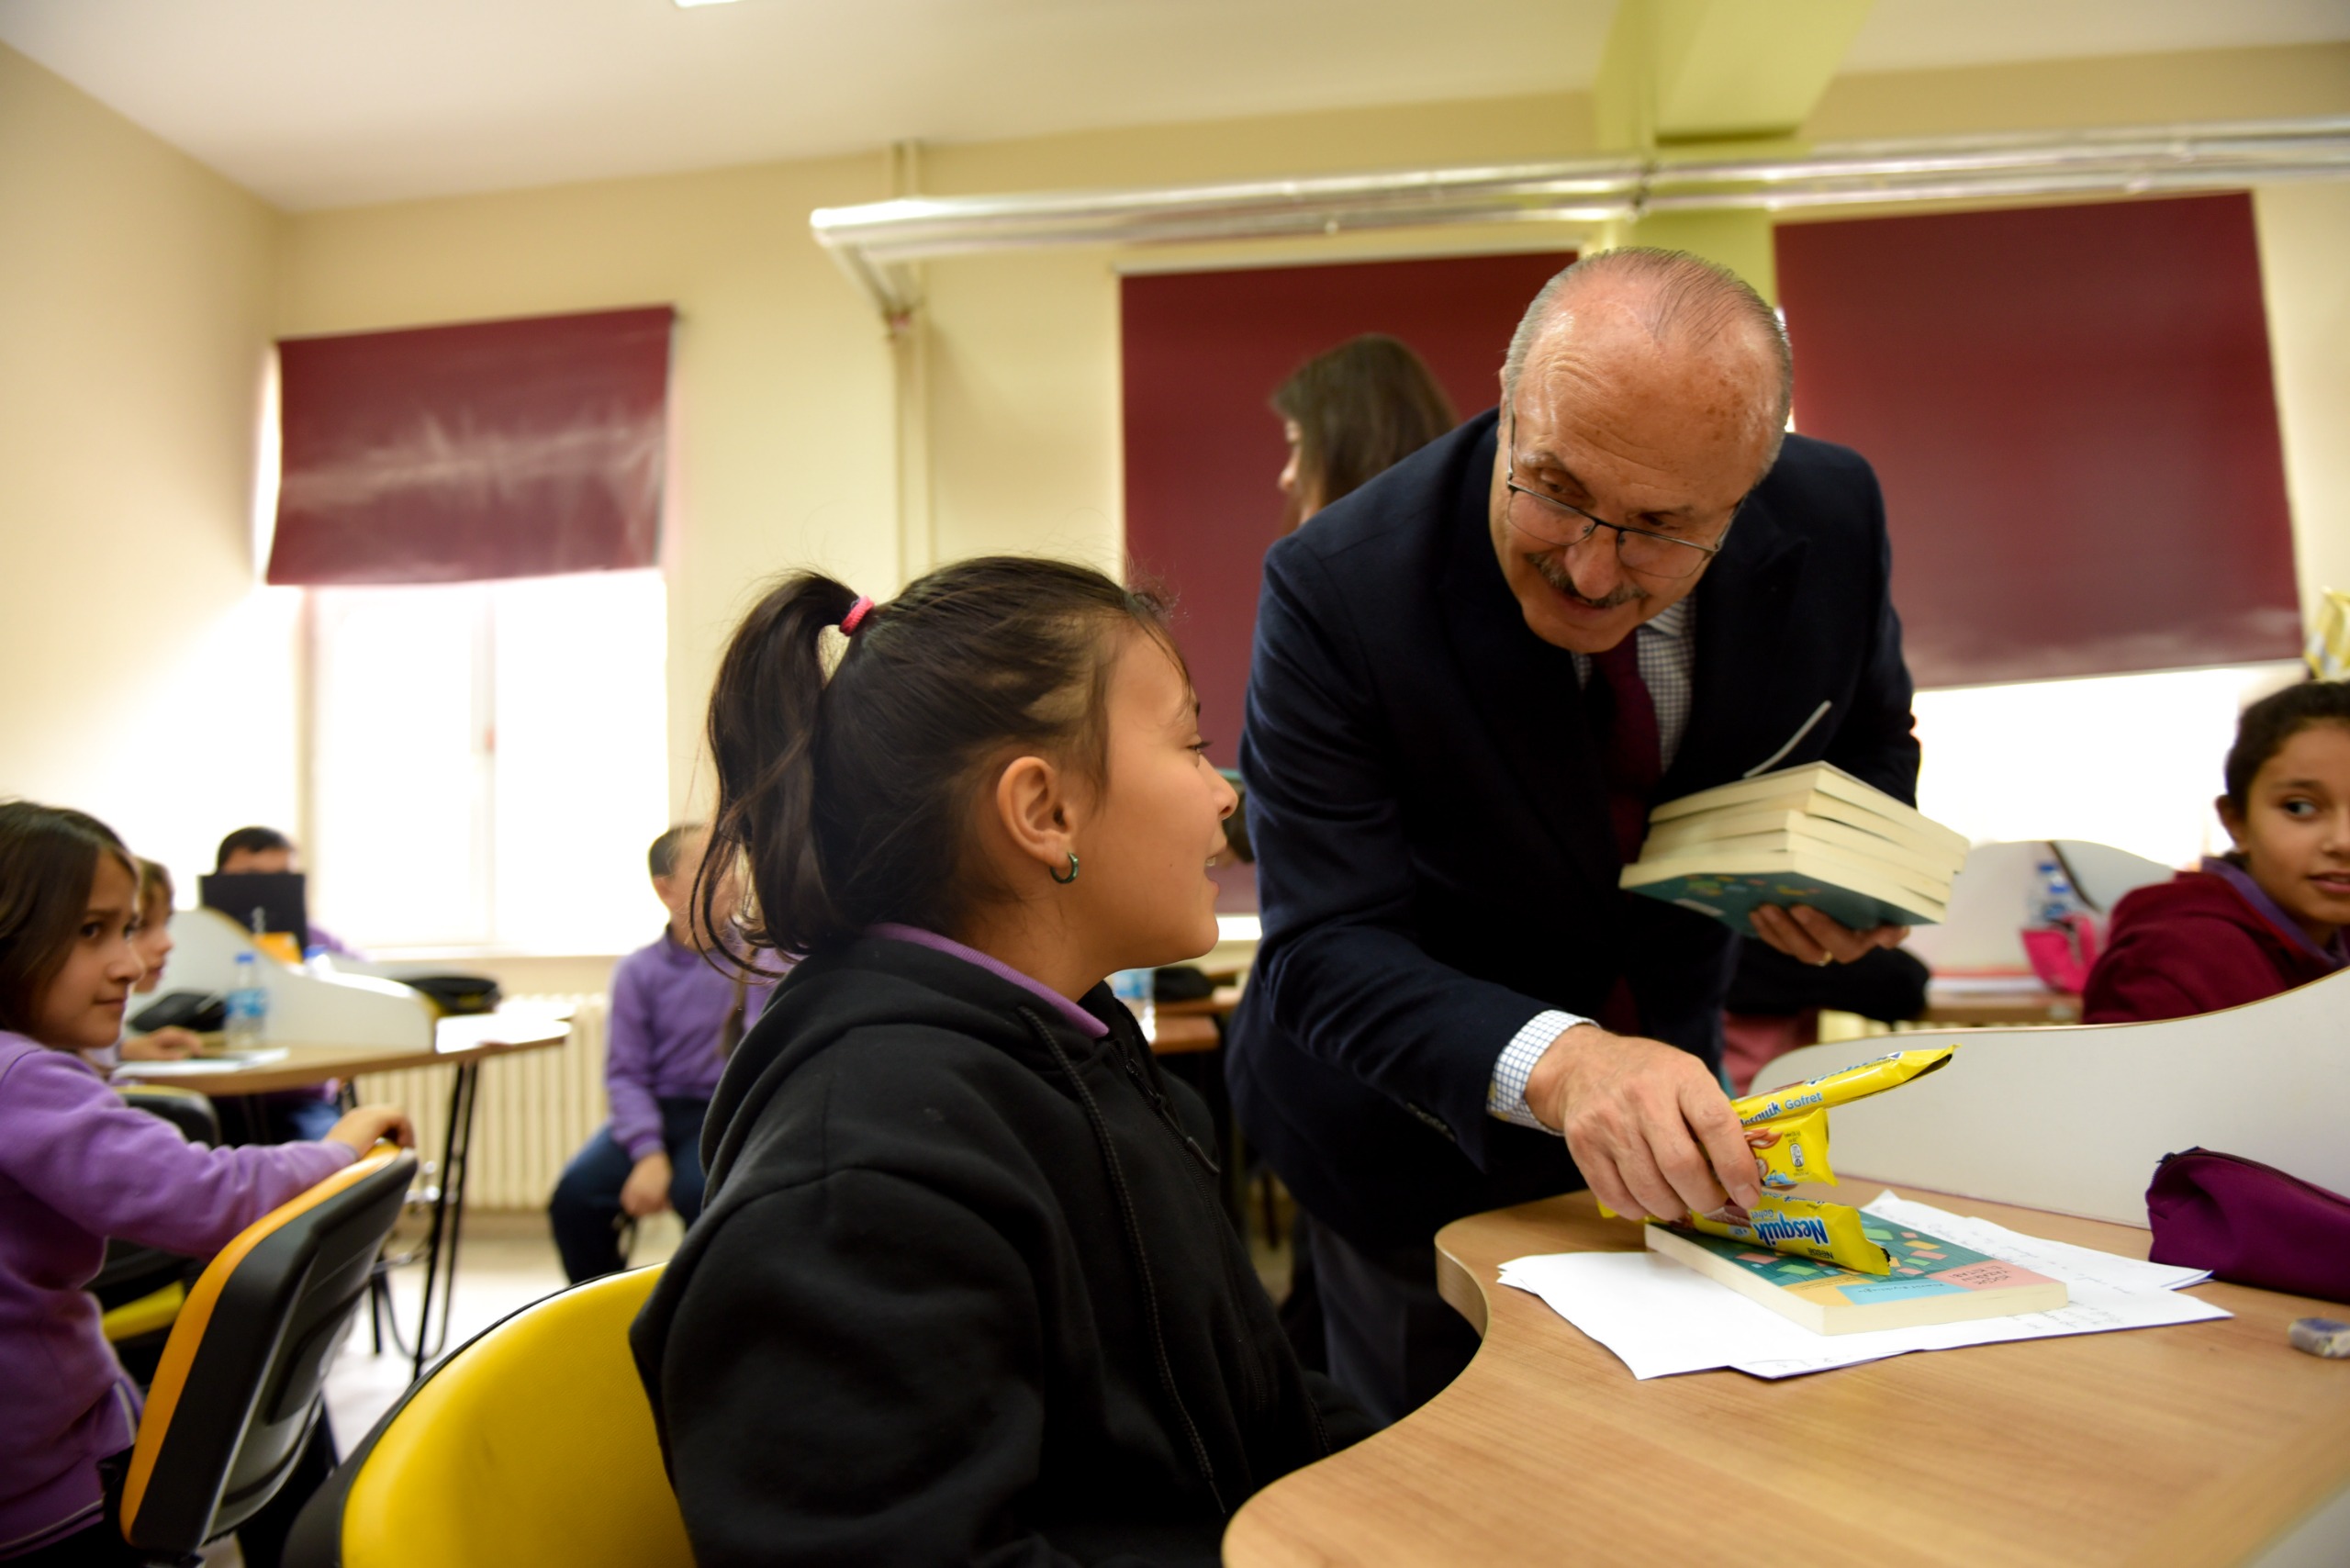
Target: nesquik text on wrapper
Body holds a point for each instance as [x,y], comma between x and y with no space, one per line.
[1856,1082]
[1830,1232]
[1798,1150]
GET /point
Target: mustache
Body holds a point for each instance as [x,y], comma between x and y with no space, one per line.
[1552,569]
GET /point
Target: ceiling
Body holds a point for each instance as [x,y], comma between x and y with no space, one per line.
[331,102]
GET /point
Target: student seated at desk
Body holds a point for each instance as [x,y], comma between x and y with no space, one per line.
[78,1166]
[675,1018]
[154,942]
[266,851]
[964,1290]
[290,1114]
[2269,915]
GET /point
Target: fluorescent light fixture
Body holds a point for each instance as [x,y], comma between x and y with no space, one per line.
[689,4]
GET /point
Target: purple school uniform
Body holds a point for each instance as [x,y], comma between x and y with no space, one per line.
[669,1008]
[78,1166]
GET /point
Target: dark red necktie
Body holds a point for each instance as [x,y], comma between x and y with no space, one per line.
[1631,756]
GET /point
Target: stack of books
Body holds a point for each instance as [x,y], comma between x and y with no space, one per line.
[1813,835]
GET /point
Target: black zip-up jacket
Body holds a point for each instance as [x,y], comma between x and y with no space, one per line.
[962,1291]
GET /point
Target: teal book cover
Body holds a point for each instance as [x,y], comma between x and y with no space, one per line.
[1932,1280]
[1733,898]
[1922,1264]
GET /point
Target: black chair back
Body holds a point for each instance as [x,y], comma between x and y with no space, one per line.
[237,1393]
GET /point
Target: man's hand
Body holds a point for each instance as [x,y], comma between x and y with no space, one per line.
[1804,934]
[1647,1125]
[646,1191]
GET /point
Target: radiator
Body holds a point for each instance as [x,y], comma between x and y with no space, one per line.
[532,1111]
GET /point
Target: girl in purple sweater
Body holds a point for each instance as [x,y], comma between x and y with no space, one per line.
[78,1166]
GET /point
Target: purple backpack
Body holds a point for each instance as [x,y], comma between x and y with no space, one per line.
[2250,1223]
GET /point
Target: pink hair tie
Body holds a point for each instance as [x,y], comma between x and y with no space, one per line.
[856,616]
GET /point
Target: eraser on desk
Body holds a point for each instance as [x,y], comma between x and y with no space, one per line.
[2325,1337]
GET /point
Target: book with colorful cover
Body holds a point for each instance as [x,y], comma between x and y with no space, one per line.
[1932,1280]
[1732,897]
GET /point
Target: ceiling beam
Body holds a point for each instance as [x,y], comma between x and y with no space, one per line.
[1715,78]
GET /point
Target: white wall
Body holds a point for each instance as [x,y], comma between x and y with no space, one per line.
[148,679]
[2305,271]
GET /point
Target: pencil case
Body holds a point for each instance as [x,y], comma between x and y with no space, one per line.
[2250,1223]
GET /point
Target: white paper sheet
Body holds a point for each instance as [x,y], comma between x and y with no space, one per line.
[2035,1251]
[1661,1318]
[198,1067]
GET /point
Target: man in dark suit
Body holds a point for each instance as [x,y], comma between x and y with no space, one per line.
[1471,678]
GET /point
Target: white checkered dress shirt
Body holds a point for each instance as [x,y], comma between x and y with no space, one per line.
[1667,647]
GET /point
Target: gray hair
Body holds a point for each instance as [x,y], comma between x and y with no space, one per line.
[1689,296]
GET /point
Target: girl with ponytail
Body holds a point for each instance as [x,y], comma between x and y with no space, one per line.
[963,1288]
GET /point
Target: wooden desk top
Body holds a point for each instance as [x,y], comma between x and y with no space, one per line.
[2187,1445]
[1180,1033]
[457,1040]
[1218,1004]
[1967,1007]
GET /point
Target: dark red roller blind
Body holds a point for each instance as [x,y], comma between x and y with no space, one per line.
[2071,411]
[494,449]
[1203,353]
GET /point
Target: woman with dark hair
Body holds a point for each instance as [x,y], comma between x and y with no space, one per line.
[1352,412]
[963,1289]
[2271,914]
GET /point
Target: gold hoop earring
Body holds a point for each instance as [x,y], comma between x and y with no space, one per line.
[1056,876]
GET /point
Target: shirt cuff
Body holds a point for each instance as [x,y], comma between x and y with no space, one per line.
[1506,1096]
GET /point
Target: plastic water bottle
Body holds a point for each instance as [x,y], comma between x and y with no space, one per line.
[247,1005]
[2054,902]
[2059,935]
[1137,989]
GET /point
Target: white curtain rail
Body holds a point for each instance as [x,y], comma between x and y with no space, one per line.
[874,241]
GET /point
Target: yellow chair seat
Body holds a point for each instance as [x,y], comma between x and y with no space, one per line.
[532,1444]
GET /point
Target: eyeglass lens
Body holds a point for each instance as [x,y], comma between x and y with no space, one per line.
[1646,553]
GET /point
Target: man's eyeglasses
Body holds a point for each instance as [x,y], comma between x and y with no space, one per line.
[1560,525]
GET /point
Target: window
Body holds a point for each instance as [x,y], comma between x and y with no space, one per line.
[488,762]
[2130,760]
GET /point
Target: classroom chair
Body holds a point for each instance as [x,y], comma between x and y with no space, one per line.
[194,1114]
[531,1443]
[236,1395]
[141,1288]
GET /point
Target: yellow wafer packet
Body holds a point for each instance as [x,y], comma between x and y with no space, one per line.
[1796,1151]
[1830,1232]
[1856,1082]
[1785,1153]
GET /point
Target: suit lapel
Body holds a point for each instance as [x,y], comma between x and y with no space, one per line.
[1522,689]
[1744,608]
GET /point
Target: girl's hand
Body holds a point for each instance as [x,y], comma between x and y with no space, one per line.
[173,1044]
[360,1130]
